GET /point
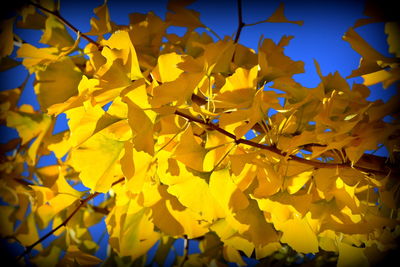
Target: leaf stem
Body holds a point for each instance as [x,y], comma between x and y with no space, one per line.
[67,23]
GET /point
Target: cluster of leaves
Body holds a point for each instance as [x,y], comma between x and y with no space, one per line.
[158,123]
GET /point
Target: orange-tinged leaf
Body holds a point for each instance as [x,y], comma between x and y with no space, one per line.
[299,235]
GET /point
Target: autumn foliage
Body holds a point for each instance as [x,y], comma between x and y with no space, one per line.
[159,124]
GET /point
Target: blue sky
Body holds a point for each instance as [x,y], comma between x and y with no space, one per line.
[320,38]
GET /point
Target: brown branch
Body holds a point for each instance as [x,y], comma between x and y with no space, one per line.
[67,23]
[273,149]
[241,24]
[82,203]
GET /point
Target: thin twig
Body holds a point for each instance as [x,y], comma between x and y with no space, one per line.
[241,24]
[67,23]
[82,203]
[274,149]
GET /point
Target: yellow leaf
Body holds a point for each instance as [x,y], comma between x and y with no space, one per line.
[142,124]
[174,219]
[259,231]
[232,255]
[27,233]
[177,91]
[189,151]
[195,194]
[103,24]
[239,89]
[82,122]
[299,235]
[136,166]
[181,16]
[31,19]
[296,182]
[122,61]
[167,69]
[97,160]
[75,256]
[64,76]
[279,16]
[274,63]
[34,56]
[85,85]
[226,192]
[56,34]
[351,256]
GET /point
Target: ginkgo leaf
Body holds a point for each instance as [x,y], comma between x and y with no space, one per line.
[166,69]
[295,232]
[103,24]
[27,232]
[34,56]
[57,83]
[97,160]
[174,219]
[351,256]
[296,182]
[259,231]
[274,63]
[75,256]
[31,19]
[189,151]
[226,192]
[279,16]
[56,34]
[122,61]
[141,123]
[181,16]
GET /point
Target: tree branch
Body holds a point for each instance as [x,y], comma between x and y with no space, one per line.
[273,149]
[67,23]
[241,24]
[82,203]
